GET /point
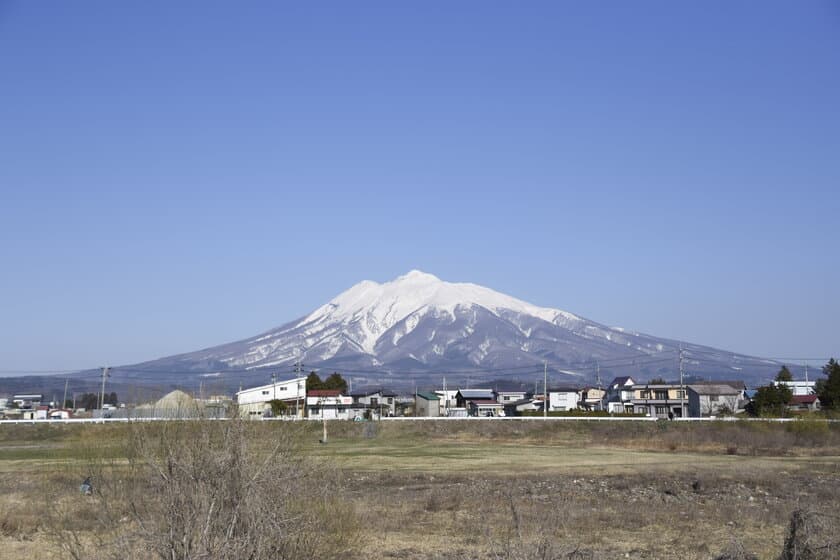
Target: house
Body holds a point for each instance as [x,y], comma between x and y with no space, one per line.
[427,405]
[255,401]
[41,412]
[484,407]
[660,400]
[712,399]
[463,396]
[329,404]
[378,401]
[28,401]
[516,408]
[504,397]
[60,414]
[804,403]
[591,398]
[619,395]
[447,401]
[799,387]
[478,402]
[563,398]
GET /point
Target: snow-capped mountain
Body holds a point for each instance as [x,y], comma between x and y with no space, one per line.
[418,327]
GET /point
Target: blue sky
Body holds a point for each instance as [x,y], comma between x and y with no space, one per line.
[176,175]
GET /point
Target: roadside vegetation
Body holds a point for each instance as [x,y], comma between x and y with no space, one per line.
[450,490]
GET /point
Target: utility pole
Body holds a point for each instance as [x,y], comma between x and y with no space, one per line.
[545,389]
[298,370]
[64,400]
[598,380]
[682,385]
[445,399]
[273,386]
[806,372]
[105,376]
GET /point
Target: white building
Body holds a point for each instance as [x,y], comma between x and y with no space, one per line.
[799,388]
[447,401]
[255,401]
[563,398]
[619,396]
[329,404]
[505,397]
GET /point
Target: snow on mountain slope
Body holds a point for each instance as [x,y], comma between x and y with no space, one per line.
[418,322]
[369,309]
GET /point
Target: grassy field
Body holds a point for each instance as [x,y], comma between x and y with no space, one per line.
[498,489]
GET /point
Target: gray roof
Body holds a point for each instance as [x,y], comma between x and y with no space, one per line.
[477,393]
[721,389]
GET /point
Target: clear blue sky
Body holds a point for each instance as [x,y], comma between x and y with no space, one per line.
[176,175]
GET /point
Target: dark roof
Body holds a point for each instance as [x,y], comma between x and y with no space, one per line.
[369,392]
[564,389]
[483,401]
[621,380]
[428,396]
[477,393]
[804,399]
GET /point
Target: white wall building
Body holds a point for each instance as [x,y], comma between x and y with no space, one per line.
[255,400]
[799,387]
[329,404]
[563,398]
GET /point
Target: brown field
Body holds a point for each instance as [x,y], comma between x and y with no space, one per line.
[464,489]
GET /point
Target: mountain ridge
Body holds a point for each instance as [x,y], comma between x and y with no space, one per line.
[416,327]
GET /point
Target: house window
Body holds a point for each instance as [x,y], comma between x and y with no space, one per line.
[661,410]
[390,400]
[645,394]
[283,388]
[680,394]
[265,392]
[713,398]
[662,395]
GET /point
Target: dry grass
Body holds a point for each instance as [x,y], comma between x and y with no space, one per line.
[454,490]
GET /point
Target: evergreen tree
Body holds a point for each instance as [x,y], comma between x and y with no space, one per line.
[784,374]
[828,389]
[313,381]
[335,381]
[771,400]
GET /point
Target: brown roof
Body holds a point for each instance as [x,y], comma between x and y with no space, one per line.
[803,399]
[483,401]
[323,393]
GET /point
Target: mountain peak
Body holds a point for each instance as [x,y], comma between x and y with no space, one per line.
[417,277]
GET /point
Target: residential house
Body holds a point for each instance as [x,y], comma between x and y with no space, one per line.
[591,398]
[712,399]
[659,400]
[516,408]
[60,414]
[504,397]
[478,402]
[799,387]
[378,401]
[563,398]
[447,401]
[463,396]
[427,405]
[29,401]
[255,401]
[619,395]
[329,404]
[804,403]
